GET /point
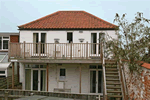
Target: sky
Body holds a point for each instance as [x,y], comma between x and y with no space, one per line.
[17,12]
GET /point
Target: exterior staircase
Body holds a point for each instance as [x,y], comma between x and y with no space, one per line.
[113,82]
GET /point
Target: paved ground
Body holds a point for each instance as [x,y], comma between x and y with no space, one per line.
[35,97]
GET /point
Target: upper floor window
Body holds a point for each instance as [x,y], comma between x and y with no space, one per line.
[4,43]
[69,37]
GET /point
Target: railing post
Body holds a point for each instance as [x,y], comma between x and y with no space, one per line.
[39,50]
[6,95]
[87,50]
[101,51]
[24,49]
[55,50]
[12,75]
[47,69]
[8,51]
[71,50]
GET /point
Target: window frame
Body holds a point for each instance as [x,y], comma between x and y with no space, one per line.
[70,41]
[62,78]
[3,42]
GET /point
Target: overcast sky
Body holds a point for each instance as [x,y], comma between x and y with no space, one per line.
[18,12]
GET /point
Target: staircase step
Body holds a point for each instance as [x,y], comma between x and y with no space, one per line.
[112,79]
[114,69]
[112,75]
[112,83]
[111,72]
[111,65]
[113,87]
[113,91]
[117,96]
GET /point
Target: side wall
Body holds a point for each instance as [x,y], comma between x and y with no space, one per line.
[62,35]
[138,84]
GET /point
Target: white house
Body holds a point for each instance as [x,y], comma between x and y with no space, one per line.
[62,52]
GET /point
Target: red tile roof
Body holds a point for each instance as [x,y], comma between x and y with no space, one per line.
[69,20]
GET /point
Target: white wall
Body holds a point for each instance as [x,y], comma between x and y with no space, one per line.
[22,75]
[62,35]
[72,77]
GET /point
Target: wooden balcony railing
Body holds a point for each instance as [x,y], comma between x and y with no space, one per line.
[55,50]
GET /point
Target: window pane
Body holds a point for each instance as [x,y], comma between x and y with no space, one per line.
[5,44]
[99,66]
[62,72]
[5,37]
[2,72]
[92,66]
[69,37]
[0,42]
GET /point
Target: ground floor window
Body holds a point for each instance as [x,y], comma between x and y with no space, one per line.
[35,77]
[96,79]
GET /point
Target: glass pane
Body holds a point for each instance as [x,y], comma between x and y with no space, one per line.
[35,66]
[28,79]
[43,37]
[100,82]
[99,66]
[42,66]
[5,44]
[2,72]
[92,66]
[27,66]
[5,37]
[62,72]
[1,56]
[92,81]
[43,80]
[35,79]
[0,42]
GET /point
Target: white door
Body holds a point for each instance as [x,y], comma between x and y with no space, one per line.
[96,81]
[38,80]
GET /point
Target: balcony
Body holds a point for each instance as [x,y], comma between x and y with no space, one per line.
[55,51]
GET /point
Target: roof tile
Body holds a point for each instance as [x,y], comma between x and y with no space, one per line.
[68,20]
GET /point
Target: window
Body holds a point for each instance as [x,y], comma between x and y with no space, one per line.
[2,72]
[62,74]
[4,42]
[69,37]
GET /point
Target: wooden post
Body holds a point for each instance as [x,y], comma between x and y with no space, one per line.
[71,50]
[47,72]
[12,75]
[55,50]
[101,51]
[18,71]
[87,50]
[8,51]
[39,50]
[24,49]
[80,80]
[6,95]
